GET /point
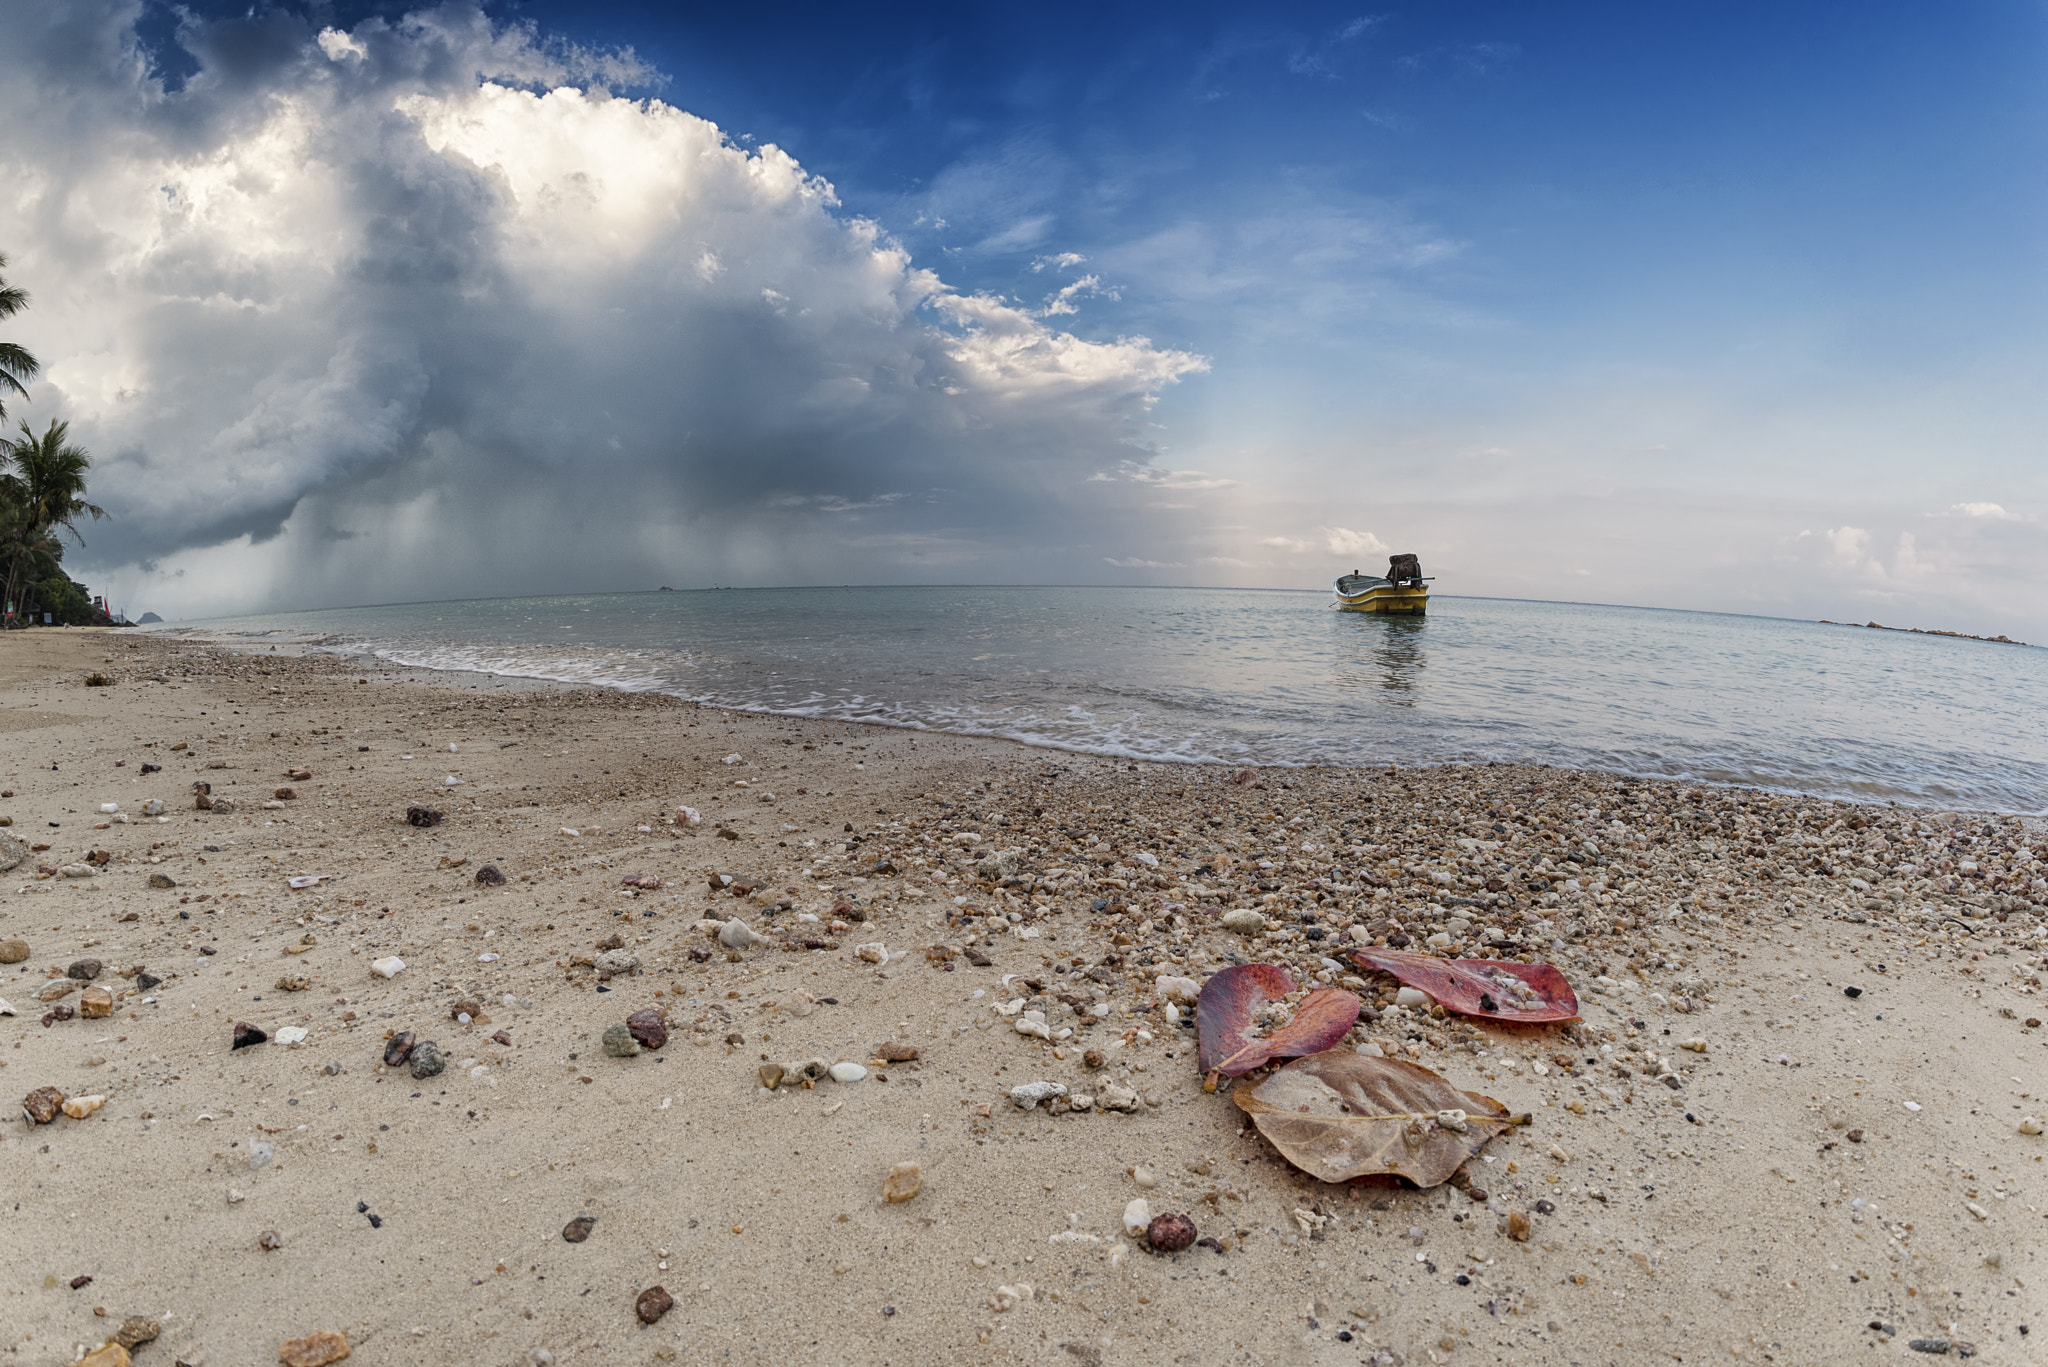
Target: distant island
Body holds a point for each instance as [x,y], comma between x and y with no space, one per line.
[1923,631]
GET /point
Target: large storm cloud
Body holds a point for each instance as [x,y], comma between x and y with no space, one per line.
[424,309]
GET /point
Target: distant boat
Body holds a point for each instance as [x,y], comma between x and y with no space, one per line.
[1401,590]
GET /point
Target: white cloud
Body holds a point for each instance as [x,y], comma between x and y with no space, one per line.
[421,308]
[1134,563]
[1991,512]
[1343,541]
[1290,544]
[1136,472]
[1062,301]
[1058,261]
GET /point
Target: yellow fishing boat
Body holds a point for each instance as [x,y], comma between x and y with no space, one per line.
[1401,590]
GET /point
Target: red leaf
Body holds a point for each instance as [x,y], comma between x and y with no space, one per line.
[1223,1017]
[1497,989]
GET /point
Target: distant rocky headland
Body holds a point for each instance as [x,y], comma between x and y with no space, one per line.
[1924,631]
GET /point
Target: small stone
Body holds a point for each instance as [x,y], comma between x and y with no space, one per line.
[95,1002]
[292,1034]
[13,951]
[1936,1347]
[737,934]
[389,967]
[489,877]
[771,1075]
[1145,1178]
[1094,1059]
[847,1072]
[79,1107]
[41,1106]
[2030,1124]
[293,983]
[619,1042]
[578,1229]
[874,953]
[904,1181]
[56,988]
[161,880]
[145,981]
[333,1068]
[1854,1136]
[314,1350]
[84,970]
[1519,1226]
[137,1330]
[1243,921]
[270,1241]
[427,1059]
[247,1034]
[285,794]
[1031,1094]
[648,1028]
[109,1354]
[422,816]
[616,963]
[894,1052]
[1170,1233]
[1413,998]
[653,1304]
[1115,1097]
[398,1048]
[1137,1217]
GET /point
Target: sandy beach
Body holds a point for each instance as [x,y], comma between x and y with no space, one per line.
[1787,1127]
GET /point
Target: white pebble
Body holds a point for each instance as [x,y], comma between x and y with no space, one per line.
[387,967]
[2030,1124]
[1913,1106]
[1137,1217]
[291,1034]
[1414,998]
[847,1072]
[874,953]
[1030,1094]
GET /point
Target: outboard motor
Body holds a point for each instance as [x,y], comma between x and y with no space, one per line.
[1404,569]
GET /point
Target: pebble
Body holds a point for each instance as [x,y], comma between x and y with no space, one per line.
[292,1034]
[616,963]
[247,1034]
[41,1105]
[1030,1094]
[1137,1217]
[904,1181]
[293,983]
[79,1107]
[619,1042]
[56,988]
[874,953]
[85,970]
[1177,989]
[578,1229]
[389,967]
[398,1048]
[1145,1178]
[2030,1124]
[1414,999]
[737,934]
[108,1354]
[654,1302]
[7,1007]
[95,1002]
[648,1028]
[770,1075]
[894,1052]
[13,951]
[161,880]
[270,1241]
[1518,1226]
[847,1072]
[314,1350]
[1170,1233]
[427,1059]
[1243,921]
[137,1330]
[1115,1097]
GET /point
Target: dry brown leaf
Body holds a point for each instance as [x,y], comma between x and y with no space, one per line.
[1340,1115]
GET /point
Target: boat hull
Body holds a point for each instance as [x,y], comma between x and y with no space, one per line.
[1405,600]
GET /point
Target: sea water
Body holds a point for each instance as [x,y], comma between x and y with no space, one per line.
[1277,677]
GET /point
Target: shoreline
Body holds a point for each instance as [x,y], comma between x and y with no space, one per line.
[1715,1206]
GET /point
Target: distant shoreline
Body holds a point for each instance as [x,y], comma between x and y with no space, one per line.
[1927,631]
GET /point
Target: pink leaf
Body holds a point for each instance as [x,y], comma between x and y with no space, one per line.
[1497,989]
[1223,1017]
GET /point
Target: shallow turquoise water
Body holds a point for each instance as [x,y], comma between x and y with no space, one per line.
[1280,678]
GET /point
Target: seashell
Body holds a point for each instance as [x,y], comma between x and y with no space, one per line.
[79,1107]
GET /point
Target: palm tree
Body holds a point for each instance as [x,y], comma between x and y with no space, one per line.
[42,481]
[17,367]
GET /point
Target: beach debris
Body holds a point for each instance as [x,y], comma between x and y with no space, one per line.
[7,1007]
[1223,1019]
[155,806]
[489,877]
[1031,1094]
[42,1105]
[896,1052]
[737,934]
[1170,1233]
[619,1042]
[285,794]
[578,1229]
[56,987]
[307,880]
[689,816]
[2030,1124]
[137,1330]
[905,1181]
[648,1027]
[427,1059]
[298,775]
[314,1350]
[1184,990]
[293,982]
[1245,778]
[202,796]
[616,963]
[13,951]
[1137,1217]
[1499,989]
[247,1035]
[844,1071]
[291,1034]
[645,882]
[874,952]
[422,817]
[653,1303]
[108,1354]
[388,967]
[398,1049]
[1341,1115]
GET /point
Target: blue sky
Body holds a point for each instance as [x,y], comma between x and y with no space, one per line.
[1732,306]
